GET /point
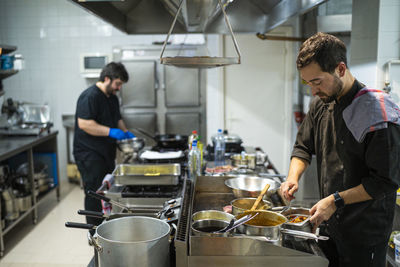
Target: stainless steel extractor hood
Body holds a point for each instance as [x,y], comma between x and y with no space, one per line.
[197,16]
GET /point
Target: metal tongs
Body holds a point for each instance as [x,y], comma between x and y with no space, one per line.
[235,223]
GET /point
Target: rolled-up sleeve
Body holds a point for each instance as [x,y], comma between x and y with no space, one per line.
[304,145]
[382,157]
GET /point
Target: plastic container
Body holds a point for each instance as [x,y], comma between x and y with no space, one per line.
[19,63]
[7,62]
[219,149]
[194,161]
[396,241]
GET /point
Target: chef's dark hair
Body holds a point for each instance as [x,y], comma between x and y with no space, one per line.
[324,49]
[114,70]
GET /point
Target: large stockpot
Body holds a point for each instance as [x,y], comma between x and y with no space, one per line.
[240,205]
[132,241]
[250,186]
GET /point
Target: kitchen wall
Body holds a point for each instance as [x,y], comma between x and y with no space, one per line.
[375,40]
[51,35]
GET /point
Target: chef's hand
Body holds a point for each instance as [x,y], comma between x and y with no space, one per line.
[322,211]
[288,189]
[129,135]
[116,133]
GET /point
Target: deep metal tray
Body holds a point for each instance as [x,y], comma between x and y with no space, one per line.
[147,174]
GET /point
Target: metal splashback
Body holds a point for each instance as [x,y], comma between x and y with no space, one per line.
[197,16]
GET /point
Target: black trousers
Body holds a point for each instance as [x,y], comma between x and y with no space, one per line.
[341,254]
[93,173]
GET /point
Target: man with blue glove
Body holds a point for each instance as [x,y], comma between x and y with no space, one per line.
[98,125]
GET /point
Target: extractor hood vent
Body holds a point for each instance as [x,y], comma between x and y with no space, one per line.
[197,16]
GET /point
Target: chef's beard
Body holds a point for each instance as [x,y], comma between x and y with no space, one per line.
[337,88]
[109,89]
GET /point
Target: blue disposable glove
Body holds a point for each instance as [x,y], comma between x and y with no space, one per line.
[129,135]
[116,133]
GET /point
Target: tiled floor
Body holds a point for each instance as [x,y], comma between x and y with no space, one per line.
[49,243]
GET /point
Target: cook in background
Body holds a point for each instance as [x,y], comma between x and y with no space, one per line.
[98,125]
[357,148]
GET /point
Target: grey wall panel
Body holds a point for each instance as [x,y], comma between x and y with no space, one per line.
[183,123]
[140,90]
[182,87]
[146,121]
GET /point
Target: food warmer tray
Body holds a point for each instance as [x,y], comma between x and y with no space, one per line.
[147,174]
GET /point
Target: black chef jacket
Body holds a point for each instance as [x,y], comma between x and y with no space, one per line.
[343,163]
[93,104]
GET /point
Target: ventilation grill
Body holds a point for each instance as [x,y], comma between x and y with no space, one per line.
[185,210]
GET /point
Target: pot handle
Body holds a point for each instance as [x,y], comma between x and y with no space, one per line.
[91,213]
[80,225]
[98,196]
[302,234]
[93,242]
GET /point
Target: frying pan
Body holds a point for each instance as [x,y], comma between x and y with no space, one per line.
[175,141]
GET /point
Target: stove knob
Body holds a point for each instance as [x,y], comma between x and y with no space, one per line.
[171,201]
[169,213]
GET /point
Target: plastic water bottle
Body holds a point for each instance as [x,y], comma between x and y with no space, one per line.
[194,161]
[219,149]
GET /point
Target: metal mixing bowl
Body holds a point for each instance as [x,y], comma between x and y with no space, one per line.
[251,186]
[131,145]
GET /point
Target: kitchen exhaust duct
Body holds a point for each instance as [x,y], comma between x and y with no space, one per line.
[197,16]
[204,61]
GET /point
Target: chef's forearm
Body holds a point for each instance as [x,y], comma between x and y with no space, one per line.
[355,195]
[296,168]
[93,128]
[122,126]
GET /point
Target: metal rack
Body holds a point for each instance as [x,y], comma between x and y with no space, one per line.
[14,145]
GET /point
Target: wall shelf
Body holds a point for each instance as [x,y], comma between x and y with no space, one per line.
[5,49]
[7,73]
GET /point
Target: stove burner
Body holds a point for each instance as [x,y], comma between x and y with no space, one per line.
[150,191]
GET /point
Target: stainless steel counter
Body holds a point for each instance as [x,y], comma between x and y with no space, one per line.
[210,192]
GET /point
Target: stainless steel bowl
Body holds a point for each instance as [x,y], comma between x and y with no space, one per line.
[212,215]
[251,186]
[240,205]
[131,145]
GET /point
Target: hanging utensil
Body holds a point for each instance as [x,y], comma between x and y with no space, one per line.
[203,61]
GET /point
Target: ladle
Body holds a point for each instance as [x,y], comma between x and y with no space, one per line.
[235,223]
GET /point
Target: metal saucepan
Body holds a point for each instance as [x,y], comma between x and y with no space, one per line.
[212,215]
[268,224]
[240,205]
[209,227]
[251,186]
[175,141]
[130,241]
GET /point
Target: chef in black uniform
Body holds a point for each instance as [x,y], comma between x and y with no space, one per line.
[98,125]
[355,134]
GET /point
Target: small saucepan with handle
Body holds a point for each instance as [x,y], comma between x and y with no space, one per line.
[269,224]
